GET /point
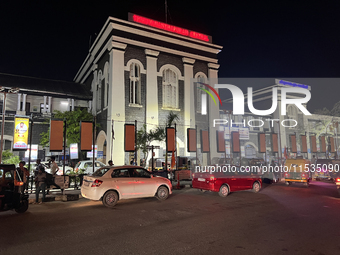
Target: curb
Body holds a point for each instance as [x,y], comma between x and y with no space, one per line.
[64,198]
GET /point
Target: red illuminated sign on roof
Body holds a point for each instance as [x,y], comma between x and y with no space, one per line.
[169,28]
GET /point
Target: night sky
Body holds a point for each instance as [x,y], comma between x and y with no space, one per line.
[278,39]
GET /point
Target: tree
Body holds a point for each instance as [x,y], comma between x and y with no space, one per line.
[9,158]
[73,119]
[323,111]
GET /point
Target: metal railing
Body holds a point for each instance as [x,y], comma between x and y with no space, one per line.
[75,182]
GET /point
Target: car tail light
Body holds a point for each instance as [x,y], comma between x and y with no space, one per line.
[337,179]
[212,178]
[96,183]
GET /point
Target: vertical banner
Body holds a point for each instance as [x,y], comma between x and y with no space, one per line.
[331,141]
[170,139]
[304,144]
[323,144]
[275,143]
[192,140]
[86,133]
[205,143]
[56,135]
[73,151]
[236,141]
[293,143]
[129,137]
[262,142]
[313,144]
[20,138]
[220,141]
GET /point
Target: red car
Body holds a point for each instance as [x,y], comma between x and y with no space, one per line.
[226,182]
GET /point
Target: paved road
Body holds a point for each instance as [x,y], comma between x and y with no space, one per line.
[278,220]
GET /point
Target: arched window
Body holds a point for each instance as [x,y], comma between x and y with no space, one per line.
[170,89]
[135,84]
[200,80]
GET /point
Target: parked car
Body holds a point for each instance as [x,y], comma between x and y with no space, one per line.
[110,184]
[226,182]
[87,166]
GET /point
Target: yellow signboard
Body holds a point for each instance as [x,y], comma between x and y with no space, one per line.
[21,126]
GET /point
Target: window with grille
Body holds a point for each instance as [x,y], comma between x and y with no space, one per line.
[135,84]
[170,89]
[200,80]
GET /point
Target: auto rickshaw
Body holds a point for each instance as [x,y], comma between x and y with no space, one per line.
[12,195]
[297,170]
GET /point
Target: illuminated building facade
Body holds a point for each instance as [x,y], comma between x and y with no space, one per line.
[141,70]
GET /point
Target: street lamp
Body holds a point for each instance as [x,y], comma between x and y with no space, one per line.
[5,91]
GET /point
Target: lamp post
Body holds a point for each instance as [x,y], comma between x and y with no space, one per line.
[5,91]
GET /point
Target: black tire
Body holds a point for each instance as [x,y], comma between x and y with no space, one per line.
[224,191]
[256,187]
[110,199]
[162,193]
[22,207]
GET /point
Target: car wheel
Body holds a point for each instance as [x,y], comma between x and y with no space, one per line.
[224,191]
[202,190]
[22,207]
[162,193]
[110,199]
[256,187]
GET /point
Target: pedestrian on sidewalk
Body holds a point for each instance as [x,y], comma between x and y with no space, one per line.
[24,175]
[51,177]
[40,184]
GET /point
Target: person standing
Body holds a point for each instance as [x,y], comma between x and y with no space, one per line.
[40,184]
[24,175]
[38,165]
[110,163]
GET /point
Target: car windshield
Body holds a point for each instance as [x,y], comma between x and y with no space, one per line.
[100,172]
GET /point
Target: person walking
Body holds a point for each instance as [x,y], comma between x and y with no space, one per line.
[51,177]
[40,184]
[38,164]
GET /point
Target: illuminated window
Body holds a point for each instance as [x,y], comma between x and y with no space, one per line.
[135,84]
[170,89]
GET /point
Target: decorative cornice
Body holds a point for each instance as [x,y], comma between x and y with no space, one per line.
[152,53]
[116,45]
[188,60]
[213,66]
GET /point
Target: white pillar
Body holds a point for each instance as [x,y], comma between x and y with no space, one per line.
[151,89]
[116,107]
[68,104]
[72,103]
[44,109]
[19,101]
[189,99]
[94,90]
[49,109]
[24,102]
[213,111]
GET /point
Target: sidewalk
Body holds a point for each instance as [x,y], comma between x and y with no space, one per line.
[56,195]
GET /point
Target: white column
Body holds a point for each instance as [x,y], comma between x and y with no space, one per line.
[116,107]
[213,111]
[189,100]
[19,101]
[151,89]
[94,90]
[72,103]
[24,102]
[68,104]
[49,109]
[45,99]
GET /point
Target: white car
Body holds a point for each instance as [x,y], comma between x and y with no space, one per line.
[110,184]
[87,165]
